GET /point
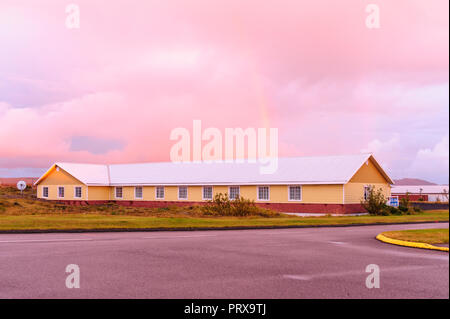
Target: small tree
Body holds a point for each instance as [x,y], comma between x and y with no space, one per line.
[404,203]
[375,202]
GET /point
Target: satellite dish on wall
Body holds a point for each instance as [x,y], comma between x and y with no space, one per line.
[21,185]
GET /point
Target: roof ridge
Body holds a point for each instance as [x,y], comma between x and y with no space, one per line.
[223,161]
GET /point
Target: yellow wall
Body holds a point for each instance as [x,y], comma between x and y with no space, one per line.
[61,178]
[328,194]
[99,192]
[331,194]
[149,193]
[367,175]
[354,192]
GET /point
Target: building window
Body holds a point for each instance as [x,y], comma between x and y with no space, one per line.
[45,191]
[367,192]
[160,192]
[234,192]
[61,192]
[182,192]
[77,192]
[263,192]
[295,193]
[207,192]
[138,192]
[119,192]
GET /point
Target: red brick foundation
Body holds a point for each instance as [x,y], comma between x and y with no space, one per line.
[281,207]
[314,208]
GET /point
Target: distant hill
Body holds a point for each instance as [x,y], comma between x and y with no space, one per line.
[412,181]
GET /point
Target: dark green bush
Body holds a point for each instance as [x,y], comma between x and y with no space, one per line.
[405,202]
[391,210]
[375,204]
[403,209]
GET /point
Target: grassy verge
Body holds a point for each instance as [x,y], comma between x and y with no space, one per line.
[98,221]
[428,236]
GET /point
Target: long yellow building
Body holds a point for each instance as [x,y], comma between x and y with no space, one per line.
[328,184]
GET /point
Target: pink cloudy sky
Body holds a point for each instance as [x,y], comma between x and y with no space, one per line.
[112,90]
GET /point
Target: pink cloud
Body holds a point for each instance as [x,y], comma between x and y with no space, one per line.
[132,73]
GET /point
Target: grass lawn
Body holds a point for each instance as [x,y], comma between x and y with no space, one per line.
[95,221]
[428,236]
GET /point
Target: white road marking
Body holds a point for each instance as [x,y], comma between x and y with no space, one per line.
[298,277]
[188,236]
[355,272]
[337,242]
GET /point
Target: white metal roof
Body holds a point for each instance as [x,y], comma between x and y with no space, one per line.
[416,189]
[89,174]
[301,170]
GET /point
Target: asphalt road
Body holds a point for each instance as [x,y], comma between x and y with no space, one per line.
[272,263]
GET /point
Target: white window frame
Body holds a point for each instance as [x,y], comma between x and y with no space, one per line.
[135,192]
[75,192]
[289,193]
[43,193]
[203,193]
[156,192]
[64,191]
[182,198]
[268,193]
[115,192]
[229,191]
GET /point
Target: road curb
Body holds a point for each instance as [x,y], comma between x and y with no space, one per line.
[114,230]
[398,242]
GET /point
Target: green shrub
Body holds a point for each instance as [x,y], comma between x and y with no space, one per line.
[404,201]
[222,205]
[403,209]
[391,210]
[375,203]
